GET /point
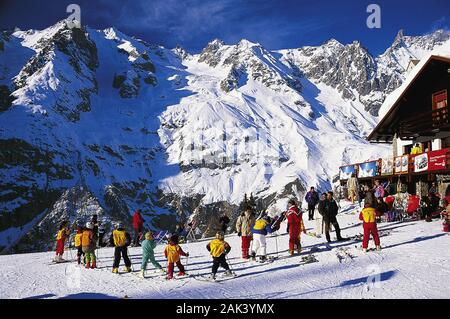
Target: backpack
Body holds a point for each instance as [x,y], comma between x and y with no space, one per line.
[86,238]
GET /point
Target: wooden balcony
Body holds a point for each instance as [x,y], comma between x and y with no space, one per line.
[425,124]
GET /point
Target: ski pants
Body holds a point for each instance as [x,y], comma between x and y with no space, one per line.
[294,240]
[370,228]
[170,267]
[80,251]
[151,258]
[246,240]
[219,261]
[335,224]
[89,254]
[311,209]
[259,244]
[60,246]
[119,252]
[137,236]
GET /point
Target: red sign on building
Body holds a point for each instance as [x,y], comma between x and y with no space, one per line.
[437,160]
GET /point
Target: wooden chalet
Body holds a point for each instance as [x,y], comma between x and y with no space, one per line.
[418,113]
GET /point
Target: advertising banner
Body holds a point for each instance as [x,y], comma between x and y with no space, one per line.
[405,162]
[421,163]
[437,160]
[346,172]
[368,169]
[398,165]
[387,166]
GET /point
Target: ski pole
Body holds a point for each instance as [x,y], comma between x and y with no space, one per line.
[276,241]
[229,264]
[131,261]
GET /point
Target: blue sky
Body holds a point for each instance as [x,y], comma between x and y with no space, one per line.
[276,24]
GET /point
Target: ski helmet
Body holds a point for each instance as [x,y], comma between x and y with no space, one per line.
[220,235]
[89,225]
[119,225]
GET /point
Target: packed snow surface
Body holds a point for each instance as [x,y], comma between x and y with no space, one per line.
[414,263]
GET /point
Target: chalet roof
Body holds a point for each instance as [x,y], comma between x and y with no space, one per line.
[392,101]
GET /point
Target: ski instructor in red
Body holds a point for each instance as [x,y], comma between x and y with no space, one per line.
[138,222]
[294,218]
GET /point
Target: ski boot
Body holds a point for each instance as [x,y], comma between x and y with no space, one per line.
[262,259]
[88,265]
[365,250]
[378,248]
[212,277]
[94,265]
[169,276]
[115,270]
[299,250]
[291,252]
[128,269]
[181,274]
[142,273]
[253,256]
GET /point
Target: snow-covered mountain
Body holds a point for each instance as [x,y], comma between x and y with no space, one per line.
[126,124]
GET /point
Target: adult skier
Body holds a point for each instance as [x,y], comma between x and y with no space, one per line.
[138,223]
[224,220]
[312,198]
[329,217]
[120,239]
[219,248]
[148,246]
[260,231]
[352,186]
[63,234]
[244,225]
[295,227]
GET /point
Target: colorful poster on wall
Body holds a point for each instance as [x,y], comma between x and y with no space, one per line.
[437,160]
[405,163]
[398,165]
[387,166]
[421,163]
[368,169]
[346,172]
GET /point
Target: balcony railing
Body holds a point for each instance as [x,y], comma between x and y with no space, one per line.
[429,122]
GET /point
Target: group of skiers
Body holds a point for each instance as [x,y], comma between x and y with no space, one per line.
[252,230]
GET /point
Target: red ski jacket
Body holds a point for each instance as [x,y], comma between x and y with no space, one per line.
[294,217]
[137,220]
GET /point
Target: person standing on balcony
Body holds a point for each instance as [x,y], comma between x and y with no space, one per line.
[417,149]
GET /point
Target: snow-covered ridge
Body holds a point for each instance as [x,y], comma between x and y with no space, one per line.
[171,132]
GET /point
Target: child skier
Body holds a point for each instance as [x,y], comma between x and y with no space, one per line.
[63,233]
[218,249]
[368,216]
[148,245]
[260,230]
[78,245]
[120,239]
[88,243]
[173,252]
[295,226]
